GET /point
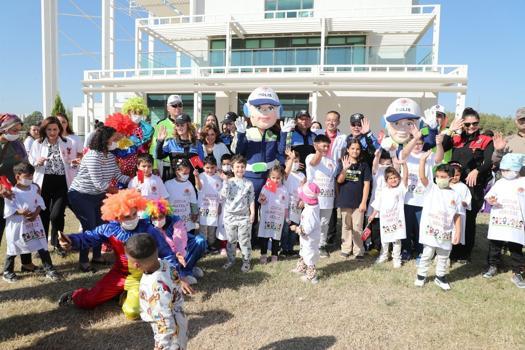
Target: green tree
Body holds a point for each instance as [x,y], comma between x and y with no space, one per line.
[33,119]
[58,107]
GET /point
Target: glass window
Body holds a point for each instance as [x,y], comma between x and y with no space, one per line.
[292,103]
[355,40]
[336,40]
[270,5]
[252,43]
[267,43]
[308,4]
[218,44]
[314,41]
[298,41]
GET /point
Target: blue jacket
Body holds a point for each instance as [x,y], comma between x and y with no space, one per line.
[102,233]
[258,148]
[303,144]
[175,150]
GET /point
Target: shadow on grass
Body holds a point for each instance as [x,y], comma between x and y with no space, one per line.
[479,258]
[343,266]
[313,343]
[201,320]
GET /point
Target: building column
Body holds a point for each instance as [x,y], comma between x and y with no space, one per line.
[460,104]
[435,35]
[151,48]
[314,104]
[49,29]
[108,51]
[227,53]
[323,39]
[197,107]
[138,47]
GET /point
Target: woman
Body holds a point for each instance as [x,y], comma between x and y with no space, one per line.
[32,135]
[211,119]
[183,145]
[473,151]
[69,133]
[53,155]
[316,126]
[12,151]
[89,188]
[212,144]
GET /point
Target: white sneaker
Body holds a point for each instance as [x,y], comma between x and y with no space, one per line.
[442,283]
[314,280]
[382,259]
[223,252]
[245,266]
[397,264]
[227,265]
[197,272]
[420,281]
[190,279]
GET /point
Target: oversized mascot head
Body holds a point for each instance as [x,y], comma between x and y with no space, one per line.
[400,116]
[263,108]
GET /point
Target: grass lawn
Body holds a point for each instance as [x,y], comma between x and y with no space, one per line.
[356,305]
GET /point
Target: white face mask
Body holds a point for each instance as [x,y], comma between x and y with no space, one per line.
[226,168]
[159,223]
[136,118]
[183,177]
[295,166]
[130,224]
[26,182]
[112,146]
[11,137]
[509,174]
[442,183]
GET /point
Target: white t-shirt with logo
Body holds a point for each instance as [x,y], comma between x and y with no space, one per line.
[466,197]
[273,213]
[152,187]
[415,190]
[181,195]
[390,205]
[507,219]
[378,184]
[292,184]
[208,199]
[323,175]
[437,218]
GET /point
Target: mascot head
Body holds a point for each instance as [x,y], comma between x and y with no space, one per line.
[136,108]
[400,116]
[263,108]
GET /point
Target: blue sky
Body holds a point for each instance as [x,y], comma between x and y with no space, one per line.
[489,36]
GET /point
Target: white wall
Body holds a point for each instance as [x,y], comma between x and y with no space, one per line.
[227,7]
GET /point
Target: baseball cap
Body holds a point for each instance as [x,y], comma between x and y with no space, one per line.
[403,108]
[303,113]
[263,96]
[174,99]
[520,113]
[356,117]
[438,109]
[183,118]
[512,161]
[230,117]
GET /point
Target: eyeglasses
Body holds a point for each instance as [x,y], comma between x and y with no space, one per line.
[356,124]
[177,105]
[467,125]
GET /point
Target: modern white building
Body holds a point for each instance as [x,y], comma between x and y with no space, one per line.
[320,55]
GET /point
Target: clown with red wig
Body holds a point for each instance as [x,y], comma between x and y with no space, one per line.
[188,248]
[121,212]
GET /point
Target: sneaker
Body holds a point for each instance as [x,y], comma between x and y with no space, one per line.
[10,277]
[223,252]
[190,279]
[197,272]
[66,299]
[245,266]
[31,268]
[360,258]
[373,252]
[274,258]
[462,261]
[87,268]
[442,282]
[382,259]
[344,255]
[314,280]
[323,253]
[405,255]
[420,281]
[397,264]
[263,259]
[517,279]
[227,265]
[54,275]
[491,272]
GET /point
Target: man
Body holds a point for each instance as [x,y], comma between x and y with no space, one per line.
[175,108]
[437,112]
[299,138]
[514,143]
[228,130]
[360,130]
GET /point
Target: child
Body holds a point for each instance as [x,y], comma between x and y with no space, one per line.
[274,202]
[182,195]
[354,187]
[390,206]
[150,186]
[309,232]
[24,229]
[160,293]
[294,179]
[465,195]
[440,222]
[208,186]
[320,169]
[239,212]
[226,168]
[507,198]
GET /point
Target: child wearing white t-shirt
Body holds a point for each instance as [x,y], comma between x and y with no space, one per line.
[208,185]
[150,186]
[440,223]
[507,216]
[321,170]
[294,179]
[464,192]
[182,195]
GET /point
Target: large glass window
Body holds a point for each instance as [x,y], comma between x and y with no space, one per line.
[288,8]
[292,103]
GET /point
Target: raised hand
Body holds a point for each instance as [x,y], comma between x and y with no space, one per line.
[288,126]
[346,162]
[241,124]
[426,155]
[439,139]
[415,132]
[456,124]
[365,126]
[430,118]
[161,136]
[499,142]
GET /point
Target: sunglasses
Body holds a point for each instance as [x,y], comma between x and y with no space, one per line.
[177,105]
[356,124]
[467,125]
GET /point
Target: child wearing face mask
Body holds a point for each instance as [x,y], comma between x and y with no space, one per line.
[274,202]
[24,230]
[440,222]
[182,195]
[208,186]
[294,178]
[226,169]
[507,198]
[390,207]
[464,192]
[149,185]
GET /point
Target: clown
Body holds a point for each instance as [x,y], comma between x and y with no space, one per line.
[401,117]
[121,211]
[136,133]
[188,248]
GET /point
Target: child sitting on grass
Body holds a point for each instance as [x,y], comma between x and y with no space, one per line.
[160,293]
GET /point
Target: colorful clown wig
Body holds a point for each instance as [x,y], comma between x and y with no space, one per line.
[157,207]
[121,122]
[135,105]
[121,204]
